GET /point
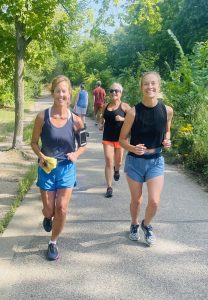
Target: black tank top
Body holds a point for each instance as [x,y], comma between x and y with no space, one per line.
[149,125]
[112,127]
[56,142]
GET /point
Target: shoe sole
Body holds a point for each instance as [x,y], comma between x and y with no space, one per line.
[108,196]
[52,259]
[134,240]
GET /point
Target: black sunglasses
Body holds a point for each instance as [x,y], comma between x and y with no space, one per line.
[115,91]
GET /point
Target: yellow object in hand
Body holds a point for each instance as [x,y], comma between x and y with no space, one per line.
[49,164]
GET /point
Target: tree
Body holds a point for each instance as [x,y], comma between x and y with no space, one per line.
[26,21]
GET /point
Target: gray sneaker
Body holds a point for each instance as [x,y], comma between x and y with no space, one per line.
[148,234]
[134,232]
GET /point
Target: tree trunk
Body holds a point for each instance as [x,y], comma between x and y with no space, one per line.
[19,85]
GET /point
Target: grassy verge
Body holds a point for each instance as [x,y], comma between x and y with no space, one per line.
[24,186]
[7,116]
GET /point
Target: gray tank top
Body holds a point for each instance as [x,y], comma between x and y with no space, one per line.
[57,142]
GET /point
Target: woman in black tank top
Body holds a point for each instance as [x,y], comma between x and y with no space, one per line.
[112,120]
[148,124]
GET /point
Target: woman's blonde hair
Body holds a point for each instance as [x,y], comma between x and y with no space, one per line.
[148,73]
[59,79]
[118,85]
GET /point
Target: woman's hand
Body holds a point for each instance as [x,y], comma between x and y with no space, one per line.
[100,126]
[140,149]
[119,118]
[166,143]
[72,156]
[42,161]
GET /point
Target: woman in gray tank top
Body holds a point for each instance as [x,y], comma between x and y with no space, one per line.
[57,128]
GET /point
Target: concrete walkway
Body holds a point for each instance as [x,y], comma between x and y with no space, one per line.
[98,261]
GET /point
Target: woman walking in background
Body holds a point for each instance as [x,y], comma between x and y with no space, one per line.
[148,124]
[81,103]
[57,128]
[112,120]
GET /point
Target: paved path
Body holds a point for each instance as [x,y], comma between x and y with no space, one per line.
[98,261]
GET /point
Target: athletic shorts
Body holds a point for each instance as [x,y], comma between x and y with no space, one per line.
[98,105]
[80,110]
[113,144]
[141,169]
[62,177]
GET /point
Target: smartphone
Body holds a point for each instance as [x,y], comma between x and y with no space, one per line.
[81,138]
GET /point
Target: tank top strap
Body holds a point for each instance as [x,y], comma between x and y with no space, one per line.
[47,113]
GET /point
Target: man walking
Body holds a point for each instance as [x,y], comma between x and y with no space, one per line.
[99,101]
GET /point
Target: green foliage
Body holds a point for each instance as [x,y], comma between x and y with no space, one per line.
[147,12]
[188,93]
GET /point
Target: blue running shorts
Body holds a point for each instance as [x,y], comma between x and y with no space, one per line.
[141,169]
[62,177]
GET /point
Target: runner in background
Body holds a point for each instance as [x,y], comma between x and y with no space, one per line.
[81,103]
[111,122]
[98,101]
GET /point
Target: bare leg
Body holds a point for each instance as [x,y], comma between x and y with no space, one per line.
[95,113]
[118,157]
[62,200]
[48,199]
[154,186]
[99,114]
[136,199]
[109,157]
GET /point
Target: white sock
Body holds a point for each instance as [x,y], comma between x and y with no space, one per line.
[52,242]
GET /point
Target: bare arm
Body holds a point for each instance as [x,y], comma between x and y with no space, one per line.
[102,120]
[39,120]
[125,130]
[167,142]
[78,124]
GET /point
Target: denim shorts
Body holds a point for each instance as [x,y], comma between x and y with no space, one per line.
[141,170]
[62,177]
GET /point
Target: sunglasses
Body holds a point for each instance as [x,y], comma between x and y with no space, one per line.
[115,91]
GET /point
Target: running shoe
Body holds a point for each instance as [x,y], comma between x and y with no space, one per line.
[47,224]
[52,253]
[148,234]
[134,232]
[116,175]
[109,192]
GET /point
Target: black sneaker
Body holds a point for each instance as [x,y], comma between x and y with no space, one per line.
[109,192]
[52,253]
[148,234]
[116,175]
[47,224]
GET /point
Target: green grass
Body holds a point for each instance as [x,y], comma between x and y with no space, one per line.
[24,185]
[6,123]
[28,132]
[7,117]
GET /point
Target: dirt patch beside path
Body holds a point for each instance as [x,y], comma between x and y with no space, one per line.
[14,164]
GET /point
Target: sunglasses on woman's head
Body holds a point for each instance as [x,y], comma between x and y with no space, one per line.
[114,91]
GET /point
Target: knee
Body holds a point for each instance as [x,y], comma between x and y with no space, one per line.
[136,201]
[61,211]
[153,203]
[109,163]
